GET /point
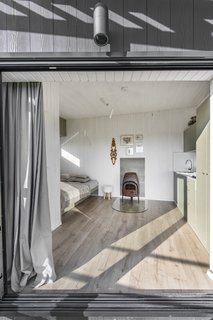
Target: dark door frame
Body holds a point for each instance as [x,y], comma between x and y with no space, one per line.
[153,303]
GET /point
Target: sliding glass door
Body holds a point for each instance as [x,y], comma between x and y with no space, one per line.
[3,267]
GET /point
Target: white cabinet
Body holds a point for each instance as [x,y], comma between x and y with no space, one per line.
[180,194]
[203,186]
[191,203]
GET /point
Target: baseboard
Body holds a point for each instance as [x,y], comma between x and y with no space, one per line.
[55,226]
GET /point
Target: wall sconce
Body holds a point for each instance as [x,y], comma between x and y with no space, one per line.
[113,153]
[100,24]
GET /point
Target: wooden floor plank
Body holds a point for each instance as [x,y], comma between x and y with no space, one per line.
[99,250]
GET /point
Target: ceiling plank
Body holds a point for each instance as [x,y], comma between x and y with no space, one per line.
[112,76]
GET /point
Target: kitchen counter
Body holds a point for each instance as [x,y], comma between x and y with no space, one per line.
[191,175]
[182,180]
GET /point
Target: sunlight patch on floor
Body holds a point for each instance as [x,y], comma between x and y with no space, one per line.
[168,267]
[132,242]
[120,249]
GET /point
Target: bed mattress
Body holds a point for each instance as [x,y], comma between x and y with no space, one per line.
[72,192]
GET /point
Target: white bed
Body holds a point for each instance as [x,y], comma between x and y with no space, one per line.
[73,193]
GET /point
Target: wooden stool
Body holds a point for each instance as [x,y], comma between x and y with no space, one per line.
[107,190]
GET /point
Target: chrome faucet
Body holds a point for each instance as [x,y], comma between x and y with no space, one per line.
[189,167]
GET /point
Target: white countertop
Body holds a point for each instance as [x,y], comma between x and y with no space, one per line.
[191,175]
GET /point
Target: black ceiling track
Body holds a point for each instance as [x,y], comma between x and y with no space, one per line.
[111,63]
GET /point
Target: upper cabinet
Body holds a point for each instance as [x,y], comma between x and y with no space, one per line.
[203,116]
[190,138]
[192,133]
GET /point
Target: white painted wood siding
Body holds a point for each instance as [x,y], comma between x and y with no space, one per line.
[145,25]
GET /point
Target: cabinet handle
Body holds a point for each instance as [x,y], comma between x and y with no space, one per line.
[207,174]
[203,172]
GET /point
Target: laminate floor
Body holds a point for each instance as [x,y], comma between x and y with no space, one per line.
[99,250]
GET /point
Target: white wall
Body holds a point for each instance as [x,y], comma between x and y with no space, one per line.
[51,111]
[163,135]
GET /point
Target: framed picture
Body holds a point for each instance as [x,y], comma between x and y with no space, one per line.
[127,140]
[139,148]
[139,137]
[129,151]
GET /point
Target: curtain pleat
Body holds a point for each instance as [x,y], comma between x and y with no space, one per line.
[29,237]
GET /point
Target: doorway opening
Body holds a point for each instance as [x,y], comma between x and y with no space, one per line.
[97,249]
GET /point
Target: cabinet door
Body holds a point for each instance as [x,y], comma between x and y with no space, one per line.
[207,175]
[201,208]
[189,138]
[203,214]
[180,194]
[191,203]
[207,134]
[201,153]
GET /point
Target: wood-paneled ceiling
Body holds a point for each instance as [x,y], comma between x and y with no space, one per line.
[92,94]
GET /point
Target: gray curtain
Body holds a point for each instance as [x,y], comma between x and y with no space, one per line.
[29,237]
